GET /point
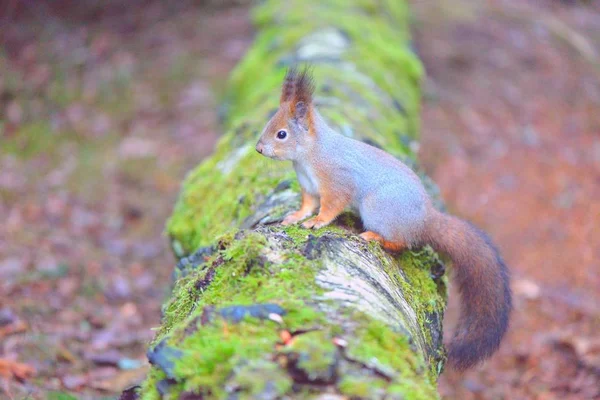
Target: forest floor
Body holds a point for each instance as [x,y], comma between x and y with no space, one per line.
[511,133]
[102,112]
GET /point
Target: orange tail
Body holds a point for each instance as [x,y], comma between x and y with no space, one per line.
[483,282]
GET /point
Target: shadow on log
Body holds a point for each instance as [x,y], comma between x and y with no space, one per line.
[263,311]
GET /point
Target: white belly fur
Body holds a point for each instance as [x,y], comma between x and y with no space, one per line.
[307,178]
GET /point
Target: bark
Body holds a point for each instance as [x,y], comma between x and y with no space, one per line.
[264,311]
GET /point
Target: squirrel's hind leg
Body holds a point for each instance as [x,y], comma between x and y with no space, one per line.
[394,247]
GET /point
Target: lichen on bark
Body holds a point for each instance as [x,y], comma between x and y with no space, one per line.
[264,311]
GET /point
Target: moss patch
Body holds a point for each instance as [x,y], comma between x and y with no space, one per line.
[314,355]
[213,355]
[241,279]
[428,298]
[250,383]
[245,275]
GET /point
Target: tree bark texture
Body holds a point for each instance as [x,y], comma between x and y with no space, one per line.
[263,311]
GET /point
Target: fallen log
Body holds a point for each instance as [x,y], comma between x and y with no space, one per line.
[259,310]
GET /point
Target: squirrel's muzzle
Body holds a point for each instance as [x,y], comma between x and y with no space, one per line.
[259,147]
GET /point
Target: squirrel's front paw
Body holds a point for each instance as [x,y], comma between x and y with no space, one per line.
[292,219]
[314,223]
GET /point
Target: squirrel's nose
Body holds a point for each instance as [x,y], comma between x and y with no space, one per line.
[259,147]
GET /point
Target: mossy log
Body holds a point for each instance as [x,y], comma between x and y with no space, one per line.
[259,310]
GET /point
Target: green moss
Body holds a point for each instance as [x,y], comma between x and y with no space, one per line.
[238,279]
[241,280]
[316,354]
[210,357]
[250,380]
[388,351]
[300,235]
[361,387]
[417,267]
[60,396]
[375,342]
[148,389]
[427,297]
[244,273]
[377,345]
[356,387]
[297,233]
[31,139]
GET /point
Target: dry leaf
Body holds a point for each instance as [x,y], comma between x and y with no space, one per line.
[10,368]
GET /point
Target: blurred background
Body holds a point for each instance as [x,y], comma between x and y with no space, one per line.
[104,106]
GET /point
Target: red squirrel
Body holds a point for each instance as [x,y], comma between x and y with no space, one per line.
[335,172]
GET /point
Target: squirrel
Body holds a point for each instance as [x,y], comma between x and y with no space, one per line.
[335,171]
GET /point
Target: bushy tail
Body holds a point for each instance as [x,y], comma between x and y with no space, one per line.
[483,282]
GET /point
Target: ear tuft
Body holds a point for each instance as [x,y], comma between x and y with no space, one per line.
[289,85]
[305,87]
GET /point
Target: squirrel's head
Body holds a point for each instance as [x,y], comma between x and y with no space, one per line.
[288,133]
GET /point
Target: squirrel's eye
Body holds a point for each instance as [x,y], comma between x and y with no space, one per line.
[281,134]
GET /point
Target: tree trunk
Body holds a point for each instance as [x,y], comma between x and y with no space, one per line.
[259,310]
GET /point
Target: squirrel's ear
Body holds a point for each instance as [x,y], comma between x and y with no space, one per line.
[302,100]
[300,111]
[301,115]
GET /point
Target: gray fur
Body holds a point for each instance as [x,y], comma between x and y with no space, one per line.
[388,195]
